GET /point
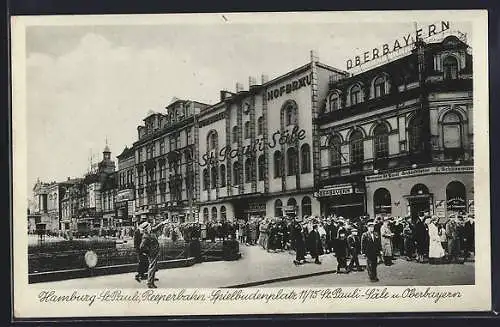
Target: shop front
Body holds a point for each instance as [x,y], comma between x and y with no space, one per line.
[346,200]
[439,190]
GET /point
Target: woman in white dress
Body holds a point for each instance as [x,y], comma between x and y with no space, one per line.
[436,251]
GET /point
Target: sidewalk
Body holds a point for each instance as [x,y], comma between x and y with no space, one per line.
[255,266]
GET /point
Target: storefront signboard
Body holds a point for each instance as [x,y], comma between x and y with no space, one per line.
[420,172]
[440,208]
[125,195]
[335,191]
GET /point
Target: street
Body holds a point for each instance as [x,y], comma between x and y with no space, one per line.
[258,268]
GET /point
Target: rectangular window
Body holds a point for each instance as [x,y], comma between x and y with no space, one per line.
[355,97]
[162,147]
[189,136]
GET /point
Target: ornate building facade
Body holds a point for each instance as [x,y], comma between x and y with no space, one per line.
[398,139]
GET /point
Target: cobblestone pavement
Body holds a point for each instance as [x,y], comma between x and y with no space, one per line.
[258,268]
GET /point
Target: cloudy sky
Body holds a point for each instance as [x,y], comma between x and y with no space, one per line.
[89,83]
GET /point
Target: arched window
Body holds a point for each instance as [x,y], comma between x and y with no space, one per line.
[214,213]
[455,197]
[334,102]
[247,130]
[293,161]
[452,131]
[206,179]
[223,213]
[260,125]
[249,171]
[278,164]
[379,87]
[357,149]
[235,134]
[419,189]
[212,140]
[236,173]
[222,176]
[381,141]
[214,177]
[205,214]
[305,157]
[335,151]
[382,202]
[415,134]
[278,208]
[450,68]
[290,113]
[355,95]
[306,206]
[262,167]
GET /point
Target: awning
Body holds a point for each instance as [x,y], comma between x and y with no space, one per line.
[416,197]
[346,205]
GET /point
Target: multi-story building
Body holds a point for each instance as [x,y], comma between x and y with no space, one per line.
[256,146]
[165,162]
[68,192]
[397,139]
[125,196]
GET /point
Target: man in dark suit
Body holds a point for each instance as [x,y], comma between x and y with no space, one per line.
[370,247]
[354,248]
[143,264]
[315,247]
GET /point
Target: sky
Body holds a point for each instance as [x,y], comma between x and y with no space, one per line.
[90,83]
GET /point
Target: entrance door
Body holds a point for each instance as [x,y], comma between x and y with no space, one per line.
[418,207]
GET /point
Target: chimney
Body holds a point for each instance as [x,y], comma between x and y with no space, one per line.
[314,56]
[69,178]
[239,87]
[264,79]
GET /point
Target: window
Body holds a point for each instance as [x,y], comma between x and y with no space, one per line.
[249,171]
[214,177]
[382,202]
[172,142]
[291,205]
[189,135]
[415,134]
[223,213]
[356,95]
[262,167]
[334,102]
[381,141]
[260,125]
[306,206]
[247,130]
[450,68]
[222,176]
[293,161]
[278,164]
[188,155]
[452,131]
[178,141]
[335,151]
[214,213]
[212,140]
[379,87]
[235,134]
[290,115]
[278,208]
[305,157]
[357,151]
[162,147]
[206,179]
[205,214]
[236,173]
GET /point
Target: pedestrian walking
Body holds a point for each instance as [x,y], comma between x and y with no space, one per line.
[341,254]
[354,245]
[151,247]
[299,242]
[314,241]
[386,241]
[370,247]
[142,258]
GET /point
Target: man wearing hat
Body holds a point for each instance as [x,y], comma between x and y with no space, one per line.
[299,243]
[142,258]
[386,241]
[315,247]
[354,248]
[453,238]
[370,247]
[151,247]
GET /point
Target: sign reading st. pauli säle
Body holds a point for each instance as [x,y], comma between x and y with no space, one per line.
[398,44]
